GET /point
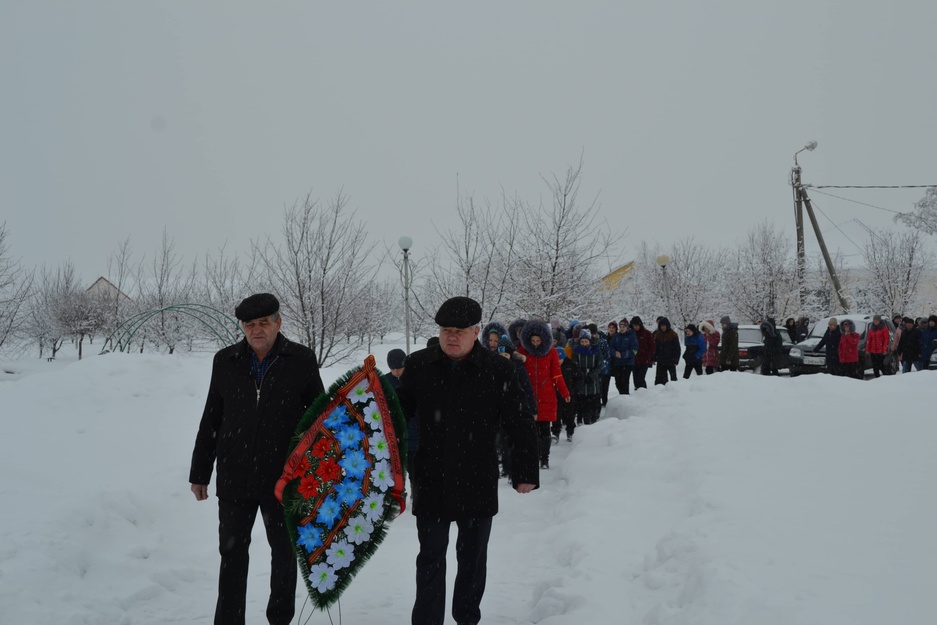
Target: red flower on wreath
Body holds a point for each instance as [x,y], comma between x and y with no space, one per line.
[301,468]
[328,470]
[309,486]
[322,447]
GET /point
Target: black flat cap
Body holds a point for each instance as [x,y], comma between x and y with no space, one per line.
[256,306]
[459,312]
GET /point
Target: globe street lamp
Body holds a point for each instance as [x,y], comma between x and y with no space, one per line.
[663,260]
[405,244]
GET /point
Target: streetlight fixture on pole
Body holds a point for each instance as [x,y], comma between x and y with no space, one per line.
[405,244]
[663,260]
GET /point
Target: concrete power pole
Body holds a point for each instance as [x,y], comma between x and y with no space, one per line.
[801,199]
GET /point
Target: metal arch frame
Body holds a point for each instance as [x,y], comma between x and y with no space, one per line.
[217,322]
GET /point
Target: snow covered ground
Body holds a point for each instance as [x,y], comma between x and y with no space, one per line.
[729,499]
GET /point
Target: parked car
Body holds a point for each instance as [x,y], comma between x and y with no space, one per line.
[933,358]
[805,358]
[752,348]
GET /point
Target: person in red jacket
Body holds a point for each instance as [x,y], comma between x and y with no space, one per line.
[876,344]
[647,348]
[849,351]
[543,368]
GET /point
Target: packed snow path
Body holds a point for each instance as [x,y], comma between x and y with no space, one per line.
[724,499]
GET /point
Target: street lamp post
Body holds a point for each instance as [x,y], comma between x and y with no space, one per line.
[405,244]
[799,194]
[663,260]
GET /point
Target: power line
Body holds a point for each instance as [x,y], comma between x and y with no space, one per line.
[887,210]
[837,227]
[872,186]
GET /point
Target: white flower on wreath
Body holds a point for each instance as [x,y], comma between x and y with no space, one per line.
[382,476]
[373,506]
[360,393]
[378,446]
[359,529]
[372,416]
[322,577]
[340,554]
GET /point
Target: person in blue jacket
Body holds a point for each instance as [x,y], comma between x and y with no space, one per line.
[928,336]
[622,346]
[695,347]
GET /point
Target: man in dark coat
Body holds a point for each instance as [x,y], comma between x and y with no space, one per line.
[259,390]
[774,348]
[729,354]
[463,394]
[830,340]
[909,346]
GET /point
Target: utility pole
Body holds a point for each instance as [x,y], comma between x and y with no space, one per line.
[801,199]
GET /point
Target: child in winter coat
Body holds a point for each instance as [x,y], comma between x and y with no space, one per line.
[589,360]
[566,413]
[876,344]
[622,346]
[711,336]
[848,351]
[543,368]
[668,352]
[644,358]
[695,347]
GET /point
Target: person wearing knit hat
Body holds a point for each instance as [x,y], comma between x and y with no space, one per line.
[622,346]
[585,333]
[589,360]
[644,357]
[396,360]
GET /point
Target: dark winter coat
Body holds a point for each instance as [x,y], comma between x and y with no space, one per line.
[248,427]
[461,406]
[573,376]
[647,346]
[928,336]
[803,330]
[729,354]
[909,345]
[668,346]
[626,343]
[774,345]
[543,368]
[830,340]
[589,360]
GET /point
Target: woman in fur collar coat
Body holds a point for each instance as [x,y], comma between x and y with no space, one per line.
[712,336]
[543,368]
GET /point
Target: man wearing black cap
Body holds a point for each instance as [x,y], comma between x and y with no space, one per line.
[462,395]
[260,388]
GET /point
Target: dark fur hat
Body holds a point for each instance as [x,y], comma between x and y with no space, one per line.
[493,327]
[514,329]
[535,327]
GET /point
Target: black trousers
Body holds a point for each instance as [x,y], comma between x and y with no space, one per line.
[878,364]
[471,551]
[605,381]
[565,416]
[661,373]
[235,522]
[622,375]
[640,373]
[545,439]
[696,365]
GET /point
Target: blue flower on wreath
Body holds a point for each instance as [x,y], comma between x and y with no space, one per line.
[349,491]
[355,464]
[329,511]
[309,537]
[337,418]
[349,437]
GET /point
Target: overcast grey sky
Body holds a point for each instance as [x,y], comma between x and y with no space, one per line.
[206,118]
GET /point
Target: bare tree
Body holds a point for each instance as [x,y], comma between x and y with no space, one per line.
[924,216]
[894,264]
[51,319]
[318,271]
[165,282]
[564,250]
[763,281]
[15,288]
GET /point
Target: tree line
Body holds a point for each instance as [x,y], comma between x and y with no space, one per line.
[341,291]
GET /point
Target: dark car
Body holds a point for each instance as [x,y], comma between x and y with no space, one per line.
[805,358]
[752,348]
